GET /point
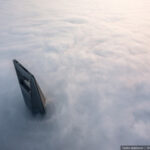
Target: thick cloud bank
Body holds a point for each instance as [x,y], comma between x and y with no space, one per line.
[92,61]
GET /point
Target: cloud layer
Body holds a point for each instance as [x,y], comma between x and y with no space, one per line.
[92,60]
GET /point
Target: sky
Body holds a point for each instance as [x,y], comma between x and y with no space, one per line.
[91,59]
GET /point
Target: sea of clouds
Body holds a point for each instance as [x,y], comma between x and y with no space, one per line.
[91,58]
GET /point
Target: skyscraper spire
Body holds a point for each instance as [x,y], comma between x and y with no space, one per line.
[31,91]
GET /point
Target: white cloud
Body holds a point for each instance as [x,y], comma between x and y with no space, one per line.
[91,59]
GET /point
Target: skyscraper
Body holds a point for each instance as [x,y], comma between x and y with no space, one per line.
[31,91]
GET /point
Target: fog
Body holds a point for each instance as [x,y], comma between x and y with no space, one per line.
[91,59]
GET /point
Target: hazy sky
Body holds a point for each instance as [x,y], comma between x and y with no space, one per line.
[92,61]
